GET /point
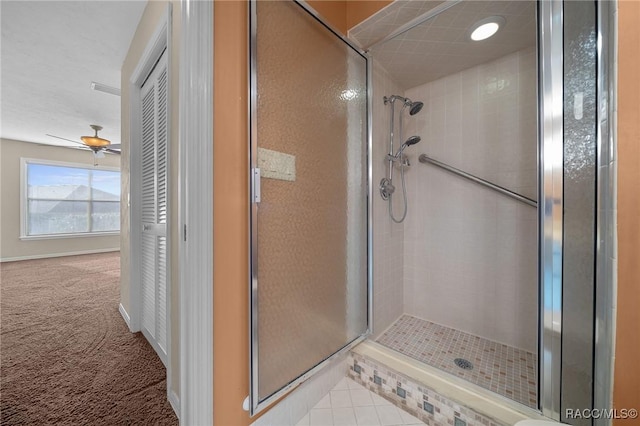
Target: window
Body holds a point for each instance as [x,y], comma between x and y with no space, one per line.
[62,199]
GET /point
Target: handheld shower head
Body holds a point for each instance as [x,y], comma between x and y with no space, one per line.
[411,141]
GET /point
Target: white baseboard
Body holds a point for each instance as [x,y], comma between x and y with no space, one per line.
[125,315]
[174,400]
[49,255]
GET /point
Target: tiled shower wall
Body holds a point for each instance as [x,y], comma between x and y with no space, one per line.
[388,237]
[470,253]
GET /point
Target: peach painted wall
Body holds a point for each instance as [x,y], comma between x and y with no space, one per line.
[230,215]
[359,10]
[626,391]
[333,12]
[345,14]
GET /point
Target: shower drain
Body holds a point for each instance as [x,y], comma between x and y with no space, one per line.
[463,363]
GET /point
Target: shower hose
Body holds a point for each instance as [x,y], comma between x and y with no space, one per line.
[404,196]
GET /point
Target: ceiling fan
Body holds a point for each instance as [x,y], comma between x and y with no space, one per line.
[95,143]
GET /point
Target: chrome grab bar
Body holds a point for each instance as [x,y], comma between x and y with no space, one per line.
[428,160]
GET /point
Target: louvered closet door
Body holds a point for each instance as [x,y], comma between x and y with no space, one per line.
[154,208]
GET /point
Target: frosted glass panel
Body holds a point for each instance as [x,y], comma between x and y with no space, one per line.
[311,248]
[580,185]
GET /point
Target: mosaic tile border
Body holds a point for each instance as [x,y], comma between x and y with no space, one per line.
[413,397]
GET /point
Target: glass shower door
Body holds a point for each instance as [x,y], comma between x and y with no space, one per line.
[309,263]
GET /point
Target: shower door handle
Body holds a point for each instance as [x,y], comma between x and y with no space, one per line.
[255,185]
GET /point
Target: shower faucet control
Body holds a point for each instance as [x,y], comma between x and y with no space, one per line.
[386,188]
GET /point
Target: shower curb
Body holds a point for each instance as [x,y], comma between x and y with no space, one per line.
[418,399]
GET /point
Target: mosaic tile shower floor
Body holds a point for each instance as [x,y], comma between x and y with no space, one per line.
[507,371]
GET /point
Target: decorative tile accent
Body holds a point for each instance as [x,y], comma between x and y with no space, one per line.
[508,371]
[401,392]
[458,422]
[421,402]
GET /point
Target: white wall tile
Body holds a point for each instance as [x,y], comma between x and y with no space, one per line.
[468,248]
[388,248]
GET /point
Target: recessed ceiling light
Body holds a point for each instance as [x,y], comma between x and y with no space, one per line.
[486,27]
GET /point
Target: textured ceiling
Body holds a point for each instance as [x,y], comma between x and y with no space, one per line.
[50,53]
[441,46]
[389,19]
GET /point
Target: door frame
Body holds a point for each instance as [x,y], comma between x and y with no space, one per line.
[195,215]
[158,43]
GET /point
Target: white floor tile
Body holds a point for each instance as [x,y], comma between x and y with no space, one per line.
[325,402]
[321,417]
[361,397]
[304,421]
[344,417]
[350,404]
[340,398]
[367,416]
[342,384]
[389,415]
[354,385]
[378,400]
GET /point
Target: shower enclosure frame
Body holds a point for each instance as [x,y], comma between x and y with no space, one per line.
[551,212]
[550,56]
[255,404]
[551,80]
[550,203]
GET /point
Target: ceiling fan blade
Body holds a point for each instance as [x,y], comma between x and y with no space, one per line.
[113,151]
[115,146]
[64,139]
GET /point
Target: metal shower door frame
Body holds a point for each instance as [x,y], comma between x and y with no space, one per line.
[255,404]
[551,204]
[550,210]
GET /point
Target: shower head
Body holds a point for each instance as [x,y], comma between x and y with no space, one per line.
[415,108]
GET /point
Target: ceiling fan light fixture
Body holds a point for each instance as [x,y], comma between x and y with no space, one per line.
[95,140]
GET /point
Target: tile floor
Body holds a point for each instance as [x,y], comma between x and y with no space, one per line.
[508,371]
[349,404]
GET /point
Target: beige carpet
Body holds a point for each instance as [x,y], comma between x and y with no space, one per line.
[66,355]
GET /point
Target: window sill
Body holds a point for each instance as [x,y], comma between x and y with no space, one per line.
[62,236]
